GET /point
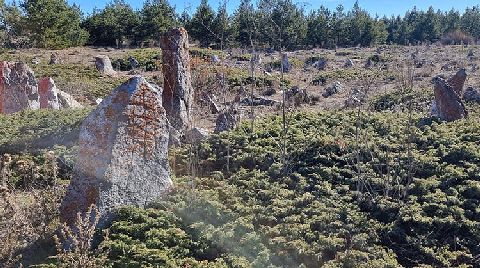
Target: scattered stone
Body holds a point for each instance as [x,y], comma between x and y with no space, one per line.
[36,60]
[178,90]
[18,88]
[457,81]
[321,64]
[337,87]
[355,99]
[54,59]
[270,91]
[368,63]
[227,120]
[258,101]
[285,63]
[5,163]
[256,59]
[297,95]
[196,135]
[104,65]
[133,62]
[66,101]
[470,54]
[449,106]
[214,58]
[471,95]
[48,94]
[122,158]
[348,63]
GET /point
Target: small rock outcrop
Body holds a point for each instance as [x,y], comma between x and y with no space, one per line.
[48,94]
[122,158]
[448,104]
[457,81]
[104,65]
[18,88]
[471,95]
[178,90]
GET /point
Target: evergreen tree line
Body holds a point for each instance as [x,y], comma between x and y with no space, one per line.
[265,24]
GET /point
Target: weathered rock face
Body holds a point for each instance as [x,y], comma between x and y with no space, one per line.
[104,65]
[178,91]
[448,104]
[18,88]
[457,81]
[227,120]
[122,158]
[48,94]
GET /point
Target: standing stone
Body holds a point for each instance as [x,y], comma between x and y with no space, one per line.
[18,88]
[122,158]
[48,94]
[178,91]
[448,104]
[104,65]
[457,81]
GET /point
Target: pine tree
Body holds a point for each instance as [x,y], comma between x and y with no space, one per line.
[156,17]
[54,23]
[113,25]
[200,26]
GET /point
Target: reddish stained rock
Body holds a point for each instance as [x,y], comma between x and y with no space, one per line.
[122,158]
[48,94]
[457,81]
[178,91]
[449,106]
[18,88]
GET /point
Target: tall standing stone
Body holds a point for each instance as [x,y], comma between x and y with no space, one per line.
[18,88]
[178,91]
[48,94]
[449,106]
[122,158]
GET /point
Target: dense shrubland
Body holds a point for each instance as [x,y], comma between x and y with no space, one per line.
[338,201]
[354,190]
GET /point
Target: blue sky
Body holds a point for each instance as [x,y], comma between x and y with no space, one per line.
[381,7]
